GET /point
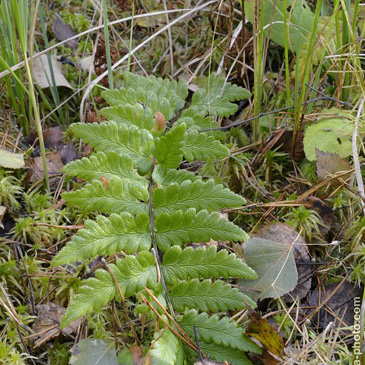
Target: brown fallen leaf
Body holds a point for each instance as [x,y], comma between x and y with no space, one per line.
[42,72]
[63,31]
[53,162]
[329,164]
[260,329]
[47,323]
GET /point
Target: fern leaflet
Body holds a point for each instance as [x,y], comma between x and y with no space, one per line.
[205,295]
[198,195]
[115,197]
[184,227]
[203,263]
[108,165]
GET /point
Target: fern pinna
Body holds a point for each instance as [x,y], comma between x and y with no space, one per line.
[154,210]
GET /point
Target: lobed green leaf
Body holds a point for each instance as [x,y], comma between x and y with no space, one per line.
[106,236]
[126,140]
[115,197]
[215,330]
[205,295]
[189,226]
[108,165]
[203,263]
[198,195]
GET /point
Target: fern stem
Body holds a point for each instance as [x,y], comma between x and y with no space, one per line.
[122,299]
[153,239]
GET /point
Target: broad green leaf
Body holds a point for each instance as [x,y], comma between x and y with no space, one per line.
[203,147]
[205,295]
[119,232]
[332,133]
[165,349]
[297,13]
[168,149]
[135,115]
[203,263]
[107,165]
[132,274]
[275,265]
[184,227]
[164,177]
[128,141]
[94,351]
[115,197]
[11,160]
[215,330]
[198,194]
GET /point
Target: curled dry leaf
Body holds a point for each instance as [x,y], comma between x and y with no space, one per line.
[63,31]
[330,164]
[48,321]
[42,72]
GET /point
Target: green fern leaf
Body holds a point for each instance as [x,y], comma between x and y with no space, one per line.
[164,177]
[190,226]
[198,194]
[117,197]
[215,97]
[203,263]
[106,236]
[128,141]
[215,330]
[166,349]
[132,274]
[168,149]
[135,115]
[205,295]
[94,294]
[219,353]
[202,147]
[108,165]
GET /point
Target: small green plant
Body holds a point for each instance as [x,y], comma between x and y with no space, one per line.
[154,211]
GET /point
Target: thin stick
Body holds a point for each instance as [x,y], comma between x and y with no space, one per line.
[168,324]
[123,301]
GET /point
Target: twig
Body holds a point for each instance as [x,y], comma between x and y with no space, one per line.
[169,316]
[329,97]
[122,299]
[197,345]
[168,324]
[360,183]
[264,115]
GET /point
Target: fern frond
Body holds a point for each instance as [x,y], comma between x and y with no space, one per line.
[205,295]
[189,226]
[168,149]
[164,177]
[203,147]
[165,350]
[116,197]
[135,115]
[215,330]
[128,141]
[106,236]
[220,353]
[108,165]
[198,194]
[132,274]
[202,263]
